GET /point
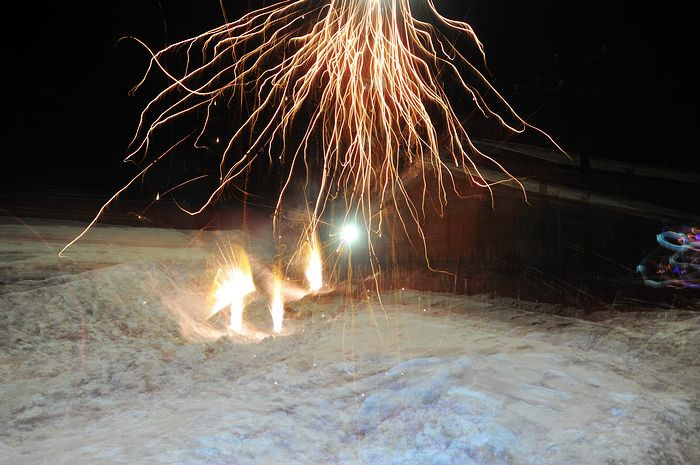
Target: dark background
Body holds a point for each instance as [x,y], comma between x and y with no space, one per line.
[619,80]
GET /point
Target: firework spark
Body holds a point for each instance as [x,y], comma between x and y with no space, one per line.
[349,93]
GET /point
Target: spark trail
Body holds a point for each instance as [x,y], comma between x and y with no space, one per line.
[365,80]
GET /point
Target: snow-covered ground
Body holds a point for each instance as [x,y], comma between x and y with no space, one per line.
[93,370]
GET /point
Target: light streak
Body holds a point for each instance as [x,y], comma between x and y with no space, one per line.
[277,304]
[365,82]
[682,268]
[314,264]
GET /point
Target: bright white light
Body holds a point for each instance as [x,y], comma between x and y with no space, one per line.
[314,270]
[349,234]
[232,292]
[277,306]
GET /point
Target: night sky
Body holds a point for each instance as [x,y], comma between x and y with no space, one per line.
[620,80]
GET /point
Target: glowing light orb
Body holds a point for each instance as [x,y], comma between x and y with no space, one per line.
[349,234]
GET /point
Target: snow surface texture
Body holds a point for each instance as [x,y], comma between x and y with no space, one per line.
[93,371]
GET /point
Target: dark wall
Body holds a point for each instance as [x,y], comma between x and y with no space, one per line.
[543,250]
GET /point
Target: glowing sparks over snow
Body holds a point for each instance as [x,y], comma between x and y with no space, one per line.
[277,304]
[233,285]
[368,81]
[314,266]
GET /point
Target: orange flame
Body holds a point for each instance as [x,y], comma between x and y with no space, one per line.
[314,265]
[232,286]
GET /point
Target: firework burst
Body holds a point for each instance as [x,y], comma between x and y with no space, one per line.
[365,80]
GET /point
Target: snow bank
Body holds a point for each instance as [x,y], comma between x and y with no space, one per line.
[93,370]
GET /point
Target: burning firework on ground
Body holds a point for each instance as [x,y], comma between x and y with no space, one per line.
[234,282]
